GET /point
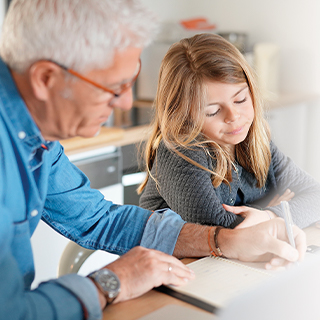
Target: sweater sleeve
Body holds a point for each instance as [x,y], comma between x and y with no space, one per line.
[306,202]
[186,189]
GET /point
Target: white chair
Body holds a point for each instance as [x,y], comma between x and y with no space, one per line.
[76,259]
[72,258]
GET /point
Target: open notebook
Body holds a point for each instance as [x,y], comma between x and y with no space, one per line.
[290,295]
[218,281]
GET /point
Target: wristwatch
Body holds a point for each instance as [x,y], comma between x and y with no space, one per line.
[108,283]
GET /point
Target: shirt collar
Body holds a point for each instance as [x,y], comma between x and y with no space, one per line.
[18,114]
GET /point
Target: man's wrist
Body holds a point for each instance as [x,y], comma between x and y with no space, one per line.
[192,241]
[225,241]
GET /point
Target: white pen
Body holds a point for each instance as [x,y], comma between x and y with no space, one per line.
[288,220]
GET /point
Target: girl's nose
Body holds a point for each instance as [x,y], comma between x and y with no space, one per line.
[231,115]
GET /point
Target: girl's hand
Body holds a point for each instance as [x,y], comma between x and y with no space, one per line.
[251,215]
[287,196]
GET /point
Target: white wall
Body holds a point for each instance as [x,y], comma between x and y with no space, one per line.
[2,12]
[292,24]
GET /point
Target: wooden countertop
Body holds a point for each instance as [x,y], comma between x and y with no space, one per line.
[108,136]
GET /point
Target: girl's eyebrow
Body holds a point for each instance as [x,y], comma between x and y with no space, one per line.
[214,103]
[239,91]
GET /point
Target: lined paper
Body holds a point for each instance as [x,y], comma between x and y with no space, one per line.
[218,280]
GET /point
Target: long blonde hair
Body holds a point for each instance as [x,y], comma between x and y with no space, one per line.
[181,98]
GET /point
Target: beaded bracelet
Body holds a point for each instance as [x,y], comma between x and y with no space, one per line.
[211,250]
[215,240]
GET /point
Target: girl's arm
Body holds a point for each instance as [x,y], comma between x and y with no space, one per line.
[186,189]
[306,202]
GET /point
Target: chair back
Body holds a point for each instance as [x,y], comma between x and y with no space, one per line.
[72,258]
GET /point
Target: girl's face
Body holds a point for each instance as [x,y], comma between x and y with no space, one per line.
[228,114]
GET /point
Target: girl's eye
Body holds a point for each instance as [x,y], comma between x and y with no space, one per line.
[212,114]
[241,101]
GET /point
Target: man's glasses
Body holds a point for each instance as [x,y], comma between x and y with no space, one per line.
[122,87]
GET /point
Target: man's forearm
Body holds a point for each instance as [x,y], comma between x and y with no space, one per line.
[261,242]
[193,241]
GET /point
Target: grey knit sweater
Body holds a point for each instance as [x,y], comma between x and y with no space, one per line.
[188,190]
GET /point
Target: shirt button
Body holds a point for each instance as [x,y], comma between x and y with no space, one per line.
[21,135]
[231,200]
[34,213]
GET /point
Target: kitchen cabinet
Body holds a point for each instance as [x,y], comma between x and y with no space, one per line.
[288,126]
[292,120]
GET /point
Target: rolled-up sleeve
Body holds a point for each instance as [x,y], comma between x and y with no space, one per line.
[162,231]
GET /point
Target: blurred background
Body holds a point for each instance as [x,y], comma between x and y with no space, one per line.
[293,25]
[279,38]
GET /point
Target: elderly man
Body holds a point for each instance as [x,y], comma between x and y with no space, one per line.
[65,64]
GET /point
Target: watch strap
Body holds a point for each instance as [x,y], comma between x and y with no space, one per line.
[110,297]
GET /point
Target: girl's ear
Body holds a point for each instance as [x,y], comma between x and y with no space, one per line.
[43,76]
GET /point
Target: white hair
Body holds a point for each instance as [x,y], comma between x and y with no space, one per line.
[80,34]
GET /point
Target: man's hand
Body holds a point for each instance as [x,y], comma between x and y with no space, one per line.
[266,241]
[142,269]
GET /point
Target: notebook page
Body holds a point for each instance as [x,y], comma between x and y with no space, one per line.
[219,280]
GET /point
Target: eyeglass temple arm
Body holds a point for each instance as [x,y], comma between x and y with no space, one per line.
[78,75]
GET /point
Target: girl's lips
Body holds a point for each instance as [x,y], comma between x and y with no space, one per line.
[236,131]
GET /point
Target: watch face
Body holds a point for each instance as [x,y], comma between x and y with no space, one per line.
[109,282]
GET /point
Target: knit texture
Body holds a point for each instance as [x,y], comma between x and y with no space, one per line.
[188,190]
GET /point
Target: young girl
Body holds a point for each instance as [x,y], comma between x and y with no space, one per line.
[209,157]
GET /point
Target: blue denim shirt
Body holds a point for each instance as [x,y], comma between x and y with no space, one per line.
[41,183]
